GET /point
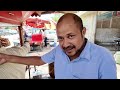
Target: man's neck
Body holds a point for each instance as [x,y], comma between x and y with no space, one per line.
[83,46]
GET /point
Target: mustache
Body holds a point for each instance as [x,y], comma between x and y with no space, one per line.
[69,47]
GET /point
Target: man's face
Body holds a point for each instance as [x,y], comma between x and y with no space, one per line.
[70,38]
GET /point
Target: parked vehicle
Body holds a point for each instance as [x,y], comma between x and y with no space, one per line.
[36,39]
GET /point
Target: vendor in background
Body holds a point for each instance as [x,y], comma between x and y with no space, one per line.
[4,42]
[25,36]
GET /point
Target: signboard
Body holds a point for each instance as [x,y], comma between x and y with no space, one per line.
[104,16]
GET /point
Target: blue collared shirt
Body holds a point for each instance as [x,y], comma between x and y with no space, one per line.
[94,62]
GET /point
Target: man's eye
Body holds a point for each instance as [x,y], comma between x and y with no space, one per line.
[60,38]
[71,36]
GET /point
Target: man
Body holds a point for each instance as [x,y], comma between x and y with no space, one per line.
[75,57]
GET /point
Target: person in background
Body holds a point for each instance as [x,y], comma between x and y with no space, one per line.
[4,42]
[45,41]
[14,70]
[75,57]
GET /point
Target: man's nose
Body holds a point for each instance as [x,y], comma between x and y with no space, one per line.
[65,43]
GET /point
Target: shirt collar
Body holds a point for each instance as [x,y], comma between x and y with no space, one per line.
[86,51]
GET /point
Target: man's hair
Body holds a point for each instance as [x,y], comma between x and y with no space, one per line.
[76,18]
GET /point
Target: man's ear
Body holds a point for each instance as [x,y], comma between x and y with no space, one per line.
[84,31]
